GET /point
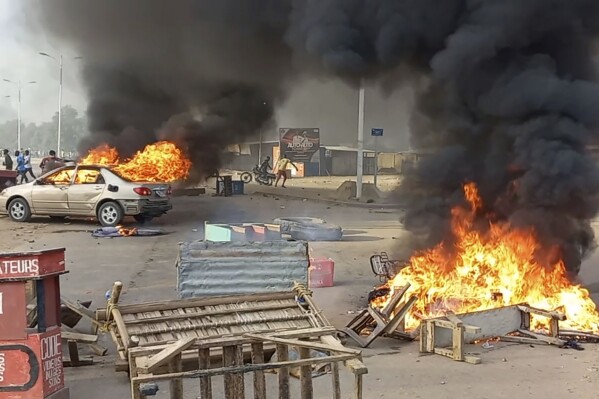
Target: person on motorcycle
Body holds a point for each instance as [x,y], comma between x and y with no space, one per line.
[265,166]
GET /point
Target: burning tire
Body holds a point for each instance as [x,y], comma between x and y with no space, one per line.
[19,210]
[110,214]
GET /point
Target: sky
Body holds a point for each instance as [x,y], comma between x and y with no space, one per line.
[20,60]
[328,105]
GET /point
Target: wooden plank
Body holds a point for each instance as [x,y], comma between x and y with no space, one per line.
[80,310]
[554,328]
[358,386]
[307,392]
[388,310]
[454,319]
[541,312]
[335,380]
[192,315]
[492,323]
[458,342]
[239,376]
[283,357]
[201,302]
[259,377]
[423,336]
[449,353]
[243,368]
[234,387]
[205,382]
[522,340]
[221,324]
[430,336]
[241,339]
[305,344]
[541,337]
[399,316]
[78,337]
[73,353]
[176,384]
[354,364]
[166,355]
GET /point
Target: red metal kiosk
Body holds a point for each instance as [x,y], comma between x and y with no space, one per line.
[31,358]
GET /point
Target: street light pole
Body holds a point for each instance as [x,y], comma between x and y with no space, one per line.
[59,61]
[59,108]
[360,160]
[19,117]
[18,83]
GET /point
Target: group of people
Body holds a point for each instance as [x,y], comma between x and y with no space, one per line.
[280,168]
[24,167]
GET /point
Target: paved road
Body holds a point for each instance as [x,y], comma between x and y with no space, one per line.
[146,266]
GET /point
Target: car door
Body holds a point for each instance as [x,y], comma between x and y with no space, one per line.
[86,190]
[49,195]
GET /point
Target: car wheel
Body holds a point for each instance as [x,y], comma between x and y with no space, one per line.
[246,177]
[143,218]
[19,210]
[110,214]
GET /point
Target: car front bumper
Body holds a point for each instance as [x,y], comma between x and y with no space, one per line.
[146,207]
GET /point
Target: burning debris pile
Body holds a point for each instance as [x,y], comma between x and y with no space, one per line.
[490,269]
[159,162]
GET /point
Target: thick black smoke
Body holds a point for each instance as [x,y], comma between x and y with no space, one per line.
[509,100]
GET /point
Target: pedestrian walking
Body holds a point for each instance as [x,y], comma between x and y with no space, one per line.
[21,166]
[281,169]
[28,167]
[7,160]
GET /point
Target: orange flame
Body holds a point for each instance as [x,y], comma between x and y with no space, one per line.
[127,232]
[488,270]
[159,162]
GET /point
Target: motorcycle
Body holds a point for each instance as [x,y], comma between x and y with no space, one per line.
[261,178]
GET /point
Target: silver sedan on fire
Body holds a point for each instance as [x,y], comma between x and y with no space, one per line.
[86,191]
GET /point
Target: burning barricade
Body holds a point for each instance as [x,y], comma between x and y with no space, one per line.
[481,271]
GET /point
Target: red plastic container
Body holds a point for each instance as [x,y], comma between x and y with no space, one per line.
[322,270]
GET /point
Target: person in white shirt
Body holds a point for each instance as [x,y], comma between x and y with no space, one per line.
[28,167]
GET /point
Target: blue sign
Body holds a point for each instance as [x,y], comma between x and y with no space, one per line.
[377,132]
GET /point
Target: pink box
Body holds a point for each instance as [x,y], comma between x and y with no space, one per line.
[321,271]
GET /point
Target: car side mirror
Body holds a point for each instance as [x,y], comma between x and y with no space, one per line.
[113,189]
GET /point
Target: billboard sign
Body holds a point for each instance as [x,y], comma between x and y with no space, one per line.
[300,145]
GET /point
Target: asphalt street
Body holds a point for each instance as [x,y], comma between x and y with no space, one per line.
[146,265]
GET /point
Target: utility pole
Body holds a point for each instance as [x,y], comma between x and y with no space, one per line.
[59,61]
[59,108]
[18,83]
[360,163]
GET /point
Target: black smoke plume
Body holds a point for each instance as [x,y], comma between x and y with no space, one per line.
[507,89]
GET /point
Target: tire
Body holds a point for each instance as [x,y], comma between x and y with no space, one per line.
[110,214]
[141,218]
[246,177]
[270,181]
[19,210]
[315,232]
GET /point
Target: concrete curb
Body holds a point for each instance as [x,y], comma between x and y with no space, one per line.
[330,201]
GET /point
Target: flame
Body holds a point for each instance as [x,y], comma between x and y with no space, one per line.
[127,232]
[159,162]
[489,270]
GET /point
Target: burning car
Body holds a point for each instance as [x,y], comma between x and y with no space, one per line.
[84,191]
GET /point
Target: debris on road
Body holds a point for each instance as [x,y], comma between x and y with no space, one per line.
[118,231]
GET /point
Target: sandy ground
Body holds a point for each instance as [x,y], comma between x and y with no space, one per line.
[396,370]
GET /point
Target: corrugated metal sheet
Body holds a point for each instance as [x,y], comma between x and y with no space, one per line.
[207,268]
